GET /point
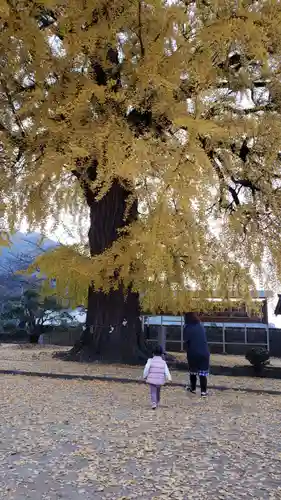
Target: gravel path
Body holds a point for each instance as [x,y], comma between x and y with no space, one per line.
[97,440]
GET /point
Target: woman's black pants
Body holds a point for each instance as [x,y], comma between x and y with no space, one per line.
[203,383]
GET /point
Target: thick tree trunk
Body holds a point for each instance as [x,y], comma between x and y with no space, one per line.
[113,327]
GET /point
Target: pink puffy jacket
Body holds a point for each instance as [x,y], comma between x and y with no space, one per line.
[156,374]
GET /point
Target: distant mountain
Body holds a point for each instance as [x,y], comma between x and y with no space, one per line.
[24,248]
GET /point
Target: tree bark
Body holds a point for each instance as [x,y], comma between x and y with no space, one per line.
[113,326]
[113,329]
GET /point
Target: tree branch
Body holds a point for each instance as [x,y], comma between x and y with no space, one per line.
[140,27]
[222,182]
[12,107]
[246,183]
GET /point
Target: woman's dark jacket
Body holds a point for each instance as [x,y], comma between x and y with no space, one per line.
[195,339]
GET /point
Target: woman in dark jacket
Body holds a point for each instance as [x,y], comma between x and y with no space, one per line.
[198,355]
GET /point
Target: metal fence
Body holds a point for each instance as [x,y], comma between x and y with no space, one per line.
[222,337]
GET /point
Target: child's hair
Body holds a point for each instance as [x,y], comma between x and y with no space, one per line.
[157,350]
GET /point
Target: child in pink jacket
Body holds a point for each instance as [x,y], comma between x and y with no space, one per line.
[156,372]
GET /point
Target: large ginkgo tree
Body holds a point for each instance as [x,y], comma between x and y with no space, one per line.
[162,119]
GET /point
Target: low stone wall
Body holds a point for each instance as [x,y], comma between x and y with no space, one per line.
[56,337]
[63,338]
[14,337]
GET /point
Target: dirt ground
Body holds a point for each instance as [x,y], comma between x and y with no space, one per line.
[39,359]
[26,352]
[96,440]
[72,439]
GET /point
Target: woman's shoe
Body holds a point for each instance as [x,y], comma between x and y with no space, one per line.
[188,389]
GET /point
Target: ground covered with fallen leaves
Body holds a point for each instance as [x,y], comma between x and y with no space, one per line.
[28,358]
[72,439]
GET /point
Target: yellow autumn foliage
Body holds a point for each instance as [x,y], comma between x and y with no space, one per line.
[187,119]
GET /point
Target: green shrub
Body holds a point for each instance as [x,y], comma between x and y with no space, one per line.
[258,357]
